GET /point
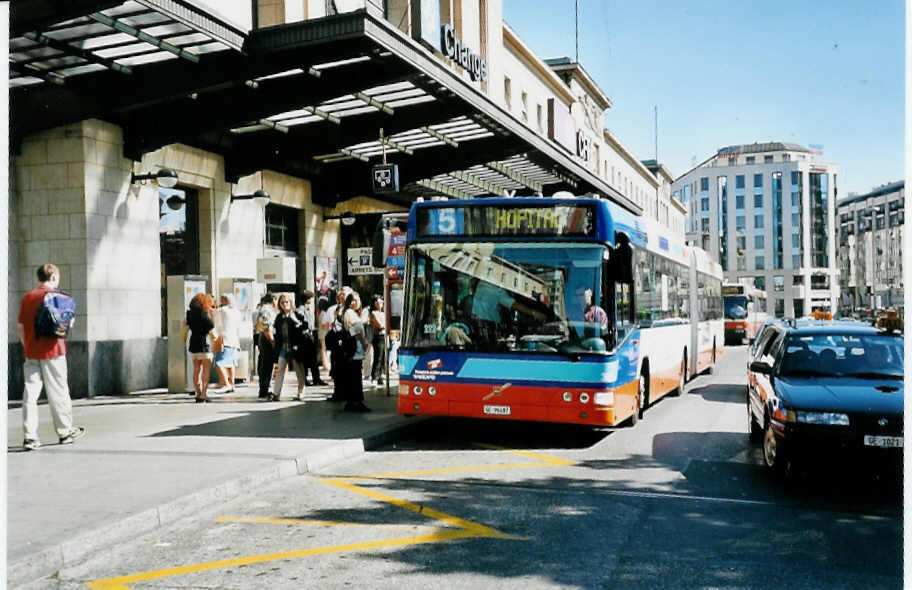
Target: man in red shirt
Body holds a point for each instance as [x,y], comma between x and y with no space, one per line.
[45,364]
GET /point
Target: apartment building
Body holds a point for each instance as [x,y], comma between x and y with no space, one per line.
[870,248]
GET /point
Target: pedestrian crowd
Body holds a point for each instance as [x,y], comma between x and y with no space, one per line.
[346,339]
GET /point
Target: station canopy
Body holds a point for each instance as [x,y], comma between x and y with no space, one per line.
[321,99]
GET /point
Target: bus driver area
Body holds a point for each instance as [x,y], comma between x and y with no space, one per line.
[426,525]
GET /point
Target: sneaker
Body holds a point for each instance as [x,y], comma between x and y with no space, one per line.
[73,436]
[31,444]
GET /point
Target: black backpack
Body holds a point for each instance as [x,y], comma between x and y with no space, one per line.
[342,341]
[55,316]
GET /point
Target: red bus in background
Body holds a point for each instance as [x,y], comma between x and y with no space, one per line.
[744,309]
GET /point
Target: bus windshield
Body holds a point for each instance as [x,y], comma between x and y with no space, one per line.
[489,297]
[735,307]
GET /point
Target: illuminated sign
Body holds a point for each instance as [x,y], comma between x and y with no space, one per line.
[453,47]
[732,290]
[507,220]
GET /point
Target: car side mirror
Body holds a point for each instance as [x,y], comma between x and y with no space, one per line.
[761,367]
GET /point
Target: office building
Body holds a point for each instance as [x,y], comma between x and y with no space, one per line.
[766,211]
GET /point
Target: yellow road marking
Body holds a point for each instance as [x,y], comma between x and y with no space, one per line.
[479,529]
[324,523]
[465,529]
[121,582]
[546,459]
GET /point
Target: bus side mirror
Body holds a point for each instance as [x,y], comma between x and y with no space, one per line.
[623,259]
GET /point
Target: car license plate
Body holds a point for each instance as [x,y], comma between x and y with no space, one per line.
[497,410]
[883,441]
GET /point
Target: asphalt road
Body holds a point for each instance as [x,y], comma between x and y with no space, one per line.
[680,501]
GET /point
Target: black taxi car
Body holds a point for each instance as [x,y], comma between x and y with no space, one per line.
[820,388]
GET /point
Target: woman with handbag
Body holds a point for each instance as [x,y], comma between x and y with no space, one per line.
[199,324]
[227,324]
[288,328]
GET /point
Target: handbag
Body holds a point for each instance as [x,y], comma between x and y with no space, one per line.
[218,343]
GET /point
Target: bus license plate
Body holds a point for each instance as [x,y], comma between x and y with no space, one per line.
[883,441]
[497,410]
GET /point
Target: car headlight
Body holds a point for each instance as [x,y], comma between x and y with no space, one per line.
[830,418]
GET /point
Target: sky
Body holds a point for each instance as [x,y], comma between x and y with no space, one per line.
[723,73]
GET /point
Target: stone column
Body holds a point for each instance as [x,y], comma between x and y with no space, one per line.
[72,204]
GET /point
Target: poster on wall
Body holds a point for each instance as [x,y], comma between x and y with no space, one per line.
[243,294]
[325,276]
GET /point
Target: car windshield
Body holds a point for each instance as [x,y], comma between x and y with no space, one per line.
[490,297]
[859,355]
[735,308]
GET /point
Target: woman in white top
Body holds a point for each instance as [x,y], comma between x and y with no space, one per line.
[227,325]
[351,369]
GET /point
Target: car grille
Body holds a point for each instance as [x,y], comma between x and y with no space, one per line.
[869,424]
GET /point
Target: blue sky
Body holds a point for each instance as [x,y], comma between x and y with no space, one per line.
[828,73]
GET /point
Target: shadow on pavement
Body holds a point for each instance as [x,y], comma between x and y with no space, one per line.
[466,434]
[721,392]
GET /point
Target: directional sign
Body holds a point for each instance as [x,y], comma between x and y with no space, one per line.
[359,262]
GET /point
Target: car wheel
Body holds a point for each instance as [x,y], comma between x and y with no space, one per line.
[643,395]
[683,378]
[774,455]
[754,429]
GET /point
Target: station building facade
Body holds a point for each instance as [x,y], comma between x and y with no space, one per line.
[300,101]
[766,212]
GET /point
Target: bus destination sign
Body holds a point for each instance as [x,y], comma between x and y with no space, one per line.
[507,220]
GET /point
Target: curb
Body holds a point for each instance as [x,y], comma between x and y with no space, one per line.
[49,561]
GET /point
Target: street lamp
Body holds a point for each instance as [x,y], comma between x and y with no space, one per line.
[347,218]
[166,178]
[259,196]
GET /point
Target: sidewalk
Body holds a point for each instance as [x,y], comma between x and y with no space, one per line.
[152,458]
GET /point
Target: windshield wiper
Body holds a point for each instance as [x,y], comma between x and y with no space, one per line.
[803,373]
[874,375]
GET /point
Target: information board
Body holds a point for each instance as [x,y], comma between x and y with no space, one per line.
[507,220]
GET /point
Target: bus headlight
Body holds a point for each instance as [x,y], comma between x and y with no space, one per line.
[567,396]
[403,389]
[432,390]
[584,398]
[417,390]
[604,398]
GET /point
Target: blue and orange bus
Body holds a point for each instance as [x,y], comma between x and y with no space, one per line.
[548,309]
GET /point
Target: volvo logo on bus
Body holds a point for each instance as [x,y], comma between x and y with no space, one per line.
[499,389]
[453,48]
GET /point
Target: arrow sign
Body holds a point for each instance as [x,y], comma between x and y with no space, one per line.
[359,262]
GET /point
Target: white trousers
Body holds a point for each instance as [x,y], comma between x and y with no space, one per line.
[283,363]
[52,374]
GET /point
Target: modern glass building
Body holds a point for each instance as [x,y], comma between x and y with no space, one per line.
[766,212]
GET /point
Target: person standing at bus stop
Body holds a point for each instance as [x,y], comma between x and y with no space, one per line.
[265,342]
[351,368]
[45,364]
